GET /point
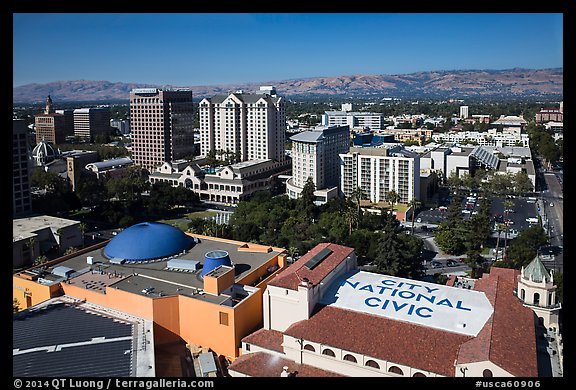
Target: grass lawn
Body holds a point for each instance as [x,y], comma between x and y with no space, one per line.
[182,223]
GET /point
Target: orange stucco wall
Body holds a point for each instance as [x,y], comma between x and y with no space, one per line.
[249,317]
[166,312]
[200,325]
[37,293]
[134,304]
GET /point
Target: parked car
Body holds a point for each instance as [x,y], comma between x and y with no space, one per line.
[436,264]
[451,263]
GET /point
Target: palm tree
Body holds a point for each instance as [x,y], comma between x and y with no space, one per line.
[292,252]
[351,216]
[499,229]
[392,198]
[414,204]
[32,245]
[357,195]
[83,227]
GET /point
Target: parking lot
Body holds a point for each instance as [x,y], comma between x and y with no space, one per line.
[518,215]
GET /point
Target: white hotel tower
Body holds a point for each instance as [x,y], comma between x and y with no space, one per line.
[250,125]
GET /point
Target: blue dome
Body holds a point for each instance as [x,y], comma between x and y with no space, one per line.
[148,241]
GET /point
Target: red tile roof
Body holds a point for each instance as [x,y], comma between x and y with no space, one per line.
[509,337]
[399,342]
[262,364]
[291,277]
[266,338]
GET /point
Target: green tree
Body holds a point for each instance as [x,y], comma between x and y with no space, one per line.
[559,282]
[395,254]
[454,182]
[525,246]
[522,183]
[15,305]
[40,260]
[307,199]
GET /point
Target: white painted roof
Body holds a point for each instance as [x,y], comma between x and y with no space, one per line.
[437,306]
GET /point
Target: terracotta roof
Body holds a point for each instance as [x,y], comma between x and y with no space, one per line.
[291,277]
[395,341]
[266,338]
[509,337]
[262,364]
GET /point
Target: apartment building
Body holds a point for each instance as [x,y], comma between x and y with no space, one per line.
[315,154]
[378,171]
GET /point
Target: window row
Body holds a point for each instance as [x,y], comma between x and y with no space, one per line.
[369,363]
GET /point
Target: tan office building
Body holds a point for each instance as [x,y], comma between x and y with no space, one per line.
[161,125]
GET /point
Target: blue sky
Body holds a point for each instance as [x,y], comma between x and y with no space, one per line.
[209,49]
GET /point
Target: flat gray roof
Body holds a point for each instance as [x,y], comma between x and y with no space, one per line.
[26,227]
[134,277]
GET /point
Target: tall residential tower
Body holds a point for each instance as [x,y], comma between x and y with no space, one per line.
[315,154]
[251,126]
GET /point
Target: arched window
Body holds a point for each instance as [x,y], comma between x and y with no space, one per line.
[418,375]
[536,298]
[487,373]
[372,363]
[396,370]
[522,294]
[310,348]
[350,358]
[328,352]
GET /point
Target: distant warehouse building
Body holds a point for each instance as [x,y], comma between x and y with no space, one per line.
[113,165]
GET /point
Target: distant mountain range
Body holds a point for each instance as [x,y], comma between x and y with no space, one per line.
[457,84]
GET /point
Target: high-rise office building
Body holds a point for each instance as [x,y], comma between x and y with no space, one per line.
[21,199]
[252,126]
[161,124]
[91,122]
[464,112]
[53,125]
